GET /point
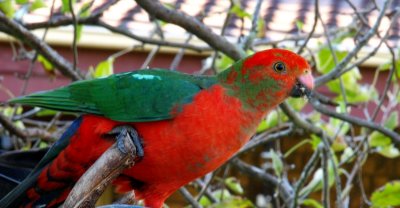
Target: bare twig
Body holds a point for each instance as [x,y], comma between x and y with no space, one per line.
[285,189]
[189,198]
[335,73]
[325,173]
[316,12]
[75,36]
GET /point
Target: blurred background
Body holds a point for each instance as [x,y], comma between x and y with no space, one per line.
[339,150]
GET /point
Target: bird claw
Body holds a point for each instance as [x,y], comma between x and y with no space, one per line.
[120,132]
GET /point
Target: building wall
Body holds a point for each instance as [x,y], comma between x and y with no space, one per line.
[11,72]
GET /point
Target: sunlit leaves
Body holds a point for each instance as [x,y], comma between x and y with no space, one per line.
[234,185]
[47,65]
[104,68]
[65,7]
[277,163]
[223,62]
[236,202]
[7,7]
[347,155]
[387,196]
[10,111]
[312,203]
[239,11]
[355,92]
[271,120]
[37,4]
[382,143]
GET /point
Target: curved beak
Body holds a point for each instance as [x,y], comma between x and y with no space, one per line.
[304,84]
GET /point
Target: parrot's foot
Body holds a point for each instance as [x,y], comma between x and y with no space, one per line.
[120,132]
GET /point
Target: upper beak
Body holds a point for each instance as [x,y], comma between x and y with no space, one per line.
[304,84]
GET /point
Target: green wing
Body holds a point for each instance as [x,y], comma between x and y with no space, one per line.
[143,95]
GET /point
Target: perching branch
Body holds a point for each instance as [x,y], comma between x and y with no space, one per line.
[92,184]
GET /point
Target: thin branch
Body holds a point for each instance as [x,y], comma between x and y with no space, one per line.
[335,73]
[300,122]
[357,121]
[285,189]
[265,137]
[75,36]
[127,33]
[308,168]
[316,12]
[248,41]
[325,173]
[189,198]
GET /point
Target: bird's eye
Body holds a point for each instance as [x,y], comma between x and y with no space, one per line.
[280,67]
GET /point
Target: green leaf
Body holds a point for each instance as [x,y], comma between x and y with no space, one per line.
[21,1]
[377,139]
[236,202]
[65,6]
[47,65]
[355,92]
[316,182]
[234,185]
[37,4]
[389,151]
[271,120]
[311,203]
[296,103]
[393,120]
[325,61]
[10,111]
[104,68]
[85,10]
[315,141]
[43,145]
[7,7]
[299,25]
[236,9]
[261,28]
[386,196]
[223,62]
[346,155]
[277,163]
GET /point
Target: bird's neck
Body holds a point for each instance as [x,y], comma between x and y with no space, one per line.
[262,96]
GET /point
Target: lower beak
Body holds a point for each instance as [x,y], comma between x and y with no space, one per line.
[304,84]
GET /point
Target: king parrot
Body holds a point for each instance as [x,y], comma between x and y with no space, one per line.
[188,125]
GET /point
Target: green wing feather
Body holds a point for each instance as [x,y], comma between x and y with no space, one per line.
[143,95]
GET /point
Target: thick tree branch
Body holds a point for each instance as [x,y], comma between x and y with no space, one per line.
[193,25]
[17,30]
[92,184]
